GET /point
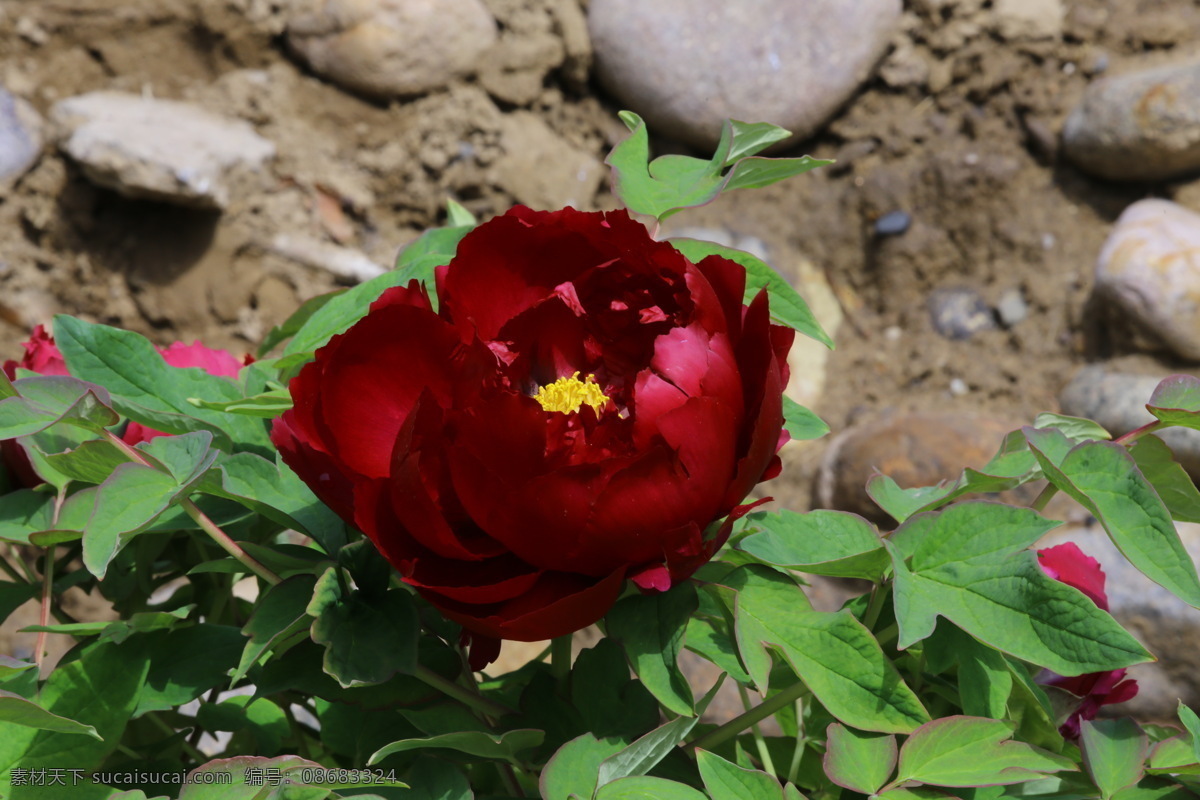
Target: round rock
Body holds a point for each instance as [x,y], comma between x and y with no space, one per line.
[1142,125]
[20,137]
[158,149]
[392,47]
[959,313]
[687,65]
[1148,273]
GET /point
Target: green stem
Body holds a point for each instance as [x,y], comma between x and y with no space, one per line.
[207,525]
[508,777]
[801,741]
[1137,433]
[759,742]
[874,606]
[47,601]
[1043,499]
[227,544]
[560,660]
[461,694]
[724,733]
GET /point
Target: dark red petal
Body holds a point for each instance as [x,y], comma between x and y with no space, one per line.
[415,480]
[323,474]
[414,294]
[382,366]
[728,280]
[558,604]
[483,650]
[477,583]
[1068,564]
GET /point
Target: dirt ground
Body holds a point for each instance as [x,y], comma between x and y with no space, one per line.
[966,144]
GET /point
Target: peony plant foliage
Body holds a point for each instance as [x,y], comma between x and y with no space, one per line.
[551,432]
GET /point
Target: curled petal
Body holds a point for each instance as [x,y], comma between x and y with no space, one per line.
[1068,564]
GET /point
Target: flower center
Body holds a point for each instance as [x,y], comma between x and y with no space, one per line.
[568,394]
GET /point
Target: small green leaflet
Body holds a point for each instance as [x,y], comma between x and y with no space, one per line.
[670,183]
[1176,401]
[973,751]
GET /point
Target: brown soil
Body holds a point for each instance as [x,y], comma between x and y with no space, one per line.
[970,151]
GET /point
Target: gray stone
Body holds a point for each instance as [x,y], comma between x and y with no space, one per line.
[1166,626]
[391,47]
[20,138]
[687,65]
[1142,125]
[1148,273]
[158,149]
[959,313]
[1117,400]
[893,223]
[1028,19]
[1011,308]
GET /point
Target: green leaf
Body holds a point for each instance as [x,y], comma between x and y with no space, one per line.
[1104,479]
[748,138]
[670,183]
[574,767]
[967,566]
[10,666]
[800,423]
[504,747]
[457,216]
[231,779]
[786,305]
[971,751]
[295,322]
[901,504]
[644,787]
[1113,753]
[609,701]
[186,457]
[984,678]
[16,710]
[726,781]
[1077,429]
[646,752]
[820,542]
[279,613]
[342,311]
[861,762]
[177,675]
[365,641]
[269,404]
[712,640]
[128,500]
[1175,755]
[91,462]
[147,389]
[833,653]
[1012,466]
[99,690]
[650,628]
[1170,481]
[24,512]
[47,399]
[276,492]
[1176,401]
[1192,723]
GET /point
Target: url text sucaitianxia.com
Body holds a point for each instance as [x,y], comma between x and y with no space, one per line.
[62,776]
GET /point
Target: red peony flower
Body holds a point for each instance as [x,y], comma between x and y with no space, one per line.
[1068,564]
[584,403]
[43,357]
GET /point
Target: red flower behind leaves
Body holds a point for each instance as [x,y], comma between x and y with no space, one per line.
[1068,564]
[43,357]
[584,403]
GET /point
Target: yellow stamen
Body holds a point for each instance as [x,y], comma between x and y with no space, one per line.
[568,394]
